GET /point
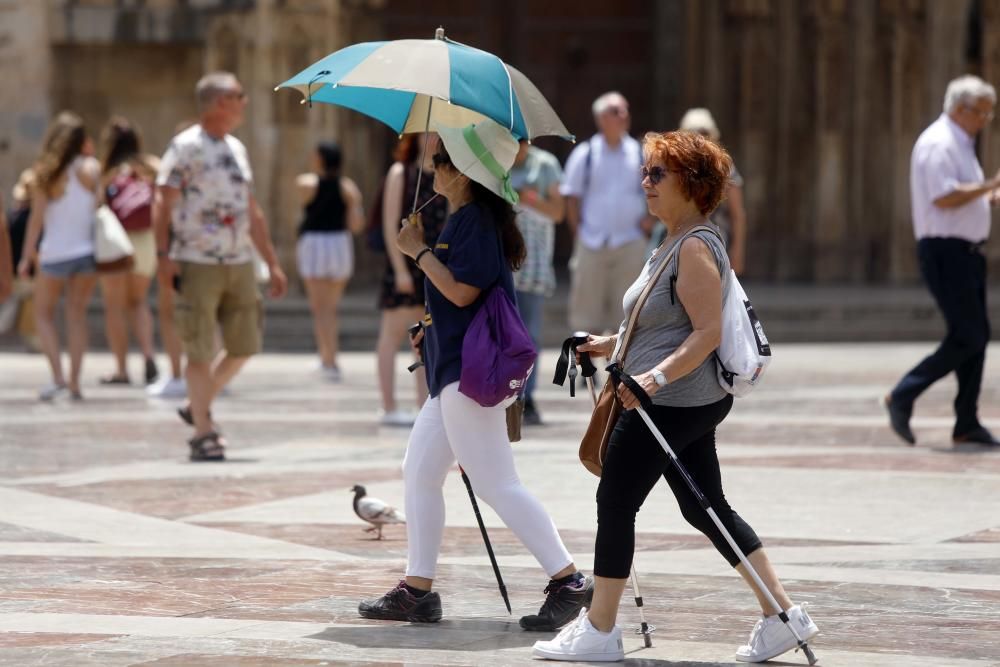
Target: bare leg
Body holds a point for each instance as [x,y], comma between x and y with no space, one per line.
[114,292]
[142,318]
[199,385]
[767,574]
[420,583]
[224,369]
[392,333]
[336,292]
[46,296]
[318,291]
[80,288]
[168,331]
[604,608]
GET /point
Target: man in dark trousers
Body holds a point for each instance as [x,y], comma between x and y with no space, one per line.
[951,220]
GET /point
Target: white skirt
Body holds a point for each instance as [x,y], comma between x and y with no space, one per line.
[326,255]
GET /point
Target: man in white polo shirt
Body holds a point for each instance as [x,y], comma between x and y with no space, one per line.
[606,208]
[951,220]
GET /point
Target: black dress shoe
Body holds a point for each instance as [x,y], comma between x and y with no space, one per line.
[899,420]
[978,436]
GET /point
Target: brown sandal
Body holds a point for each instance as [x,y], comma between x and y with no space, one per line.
[208,447]
[185,414]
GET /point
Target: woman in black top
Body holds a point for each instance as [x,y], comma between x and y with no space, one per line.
[402,295]
[325,249]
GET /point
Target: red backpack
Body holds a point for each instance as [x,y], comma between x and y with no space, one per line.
[131,199]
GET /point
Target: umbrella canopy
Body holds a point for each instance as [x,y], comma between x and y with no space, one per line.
[402,82]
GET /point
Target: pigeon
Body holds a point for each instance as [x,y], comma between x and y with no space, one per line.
[374,511]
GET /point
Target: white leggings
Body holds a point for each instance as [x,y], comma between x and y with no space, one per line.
[451,425]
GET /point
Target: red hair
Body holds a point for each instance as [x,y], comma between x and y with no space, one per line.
[407,150]
[702,167]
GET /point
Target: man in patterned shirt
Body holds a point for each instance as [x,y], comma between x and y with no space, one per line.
[536,175]
[207,225]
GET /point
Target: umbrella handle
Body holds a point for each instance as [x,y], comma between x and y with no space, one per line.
[423,152]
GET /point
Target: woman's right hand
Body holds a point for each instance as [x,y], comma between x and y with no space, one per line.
[404,282]
[24,267]
[601,346]
[415,341]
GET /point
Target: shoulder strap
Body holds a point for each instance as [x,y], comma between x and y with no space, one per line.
[691,232]
[634,315]
[586,166]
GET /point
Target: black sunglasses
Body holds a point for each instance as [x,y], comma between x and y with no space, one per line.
[654,174]
[440,159]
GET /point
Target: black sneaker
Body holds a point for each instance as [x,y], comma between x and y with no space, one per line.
[563,603]
[152,373]
[531,416]
[399,604]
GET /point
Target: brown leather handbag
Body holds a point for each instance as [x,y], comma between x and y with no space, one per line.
[594,446]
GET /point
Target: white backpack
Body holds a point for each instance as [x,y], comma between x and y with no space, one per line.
[743,352]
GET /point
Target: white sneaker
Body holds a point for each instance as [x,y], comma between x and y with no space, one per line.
[770,637]
[168,387]
[51,392]
[396,418]
[331,374]
[580,641]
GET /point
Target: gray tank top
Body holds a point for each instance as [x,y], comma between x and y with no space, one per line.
[662,326]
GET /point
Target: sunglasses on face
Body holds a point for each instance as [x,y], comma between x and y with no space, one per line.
[654,174]
[440,160]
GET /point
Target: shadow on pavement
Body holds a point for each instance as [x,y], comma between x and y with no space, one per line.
[449,635]
[479,635]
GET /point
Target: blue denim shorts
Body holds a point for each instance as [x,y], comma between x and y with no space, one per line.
[69,267]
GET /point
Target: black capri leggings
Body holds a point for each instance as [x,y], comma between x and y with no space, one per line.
[634,463]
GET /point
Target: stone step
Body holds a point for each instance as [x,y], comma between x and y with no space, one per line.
[788,313]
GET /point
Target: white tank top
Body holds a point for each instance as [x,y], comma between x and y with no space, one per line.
[69,221]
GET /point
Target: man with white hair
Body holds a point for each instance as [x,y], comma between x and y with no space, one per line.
[207,224]
[951,221]
[606,209]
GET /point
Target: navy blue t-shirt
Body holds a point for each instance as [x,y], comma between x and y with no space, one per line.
[469,246]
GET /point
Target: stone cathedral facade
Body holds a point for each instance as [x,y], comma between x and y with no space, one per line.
[819,101]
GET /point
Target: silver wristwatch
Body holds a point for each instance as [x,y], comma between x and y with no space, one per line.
[660,378]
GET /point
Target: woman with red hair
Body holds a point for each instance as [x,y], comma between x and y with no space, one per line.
[670,356]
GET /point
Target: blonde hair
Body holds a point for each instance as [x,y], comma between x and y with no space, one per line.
[700,120]
[63,143]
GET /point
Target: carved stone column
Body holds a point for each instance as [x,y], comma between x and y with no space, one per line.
[827,37]
[25,70]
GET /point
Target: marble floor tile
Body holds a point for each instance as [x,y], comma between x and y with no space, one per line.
[115,550]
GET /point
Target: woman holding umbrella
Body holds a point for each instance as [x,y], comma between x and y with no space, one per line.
[478,248]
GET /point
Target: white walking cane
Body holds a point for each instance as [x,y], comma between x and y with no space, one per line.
[645,402]
[644,628]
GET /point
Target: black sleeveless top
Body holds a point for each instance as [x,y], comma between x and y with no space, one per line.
[327,210]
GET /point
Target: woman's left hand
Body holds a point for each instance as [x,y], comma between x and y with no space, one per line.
[411,237]
[628,399]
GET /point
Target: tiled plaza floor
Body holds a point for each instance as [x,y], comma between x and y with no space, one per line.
[115,550]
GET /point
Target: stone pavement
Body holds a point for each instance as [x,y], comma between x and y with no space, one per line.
[114,550]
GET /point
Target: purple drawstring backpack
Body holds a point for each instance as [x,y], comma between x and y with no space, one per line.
[498,354]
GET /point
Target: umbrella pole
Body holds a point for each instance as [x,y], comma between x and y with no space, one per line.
[423,154]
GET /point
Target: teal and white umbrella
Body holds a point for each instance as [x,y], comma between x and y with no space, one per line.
[413,84]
